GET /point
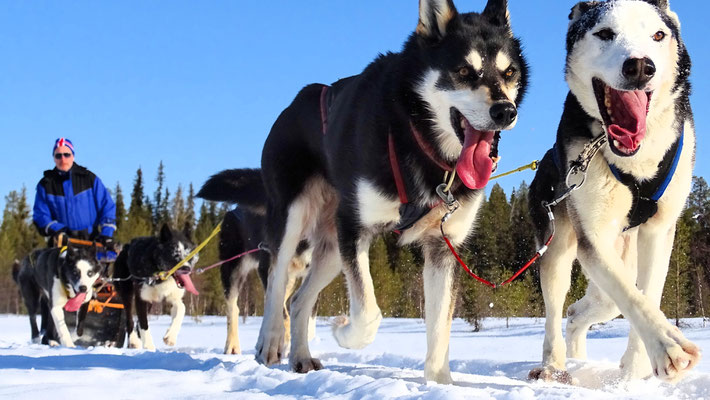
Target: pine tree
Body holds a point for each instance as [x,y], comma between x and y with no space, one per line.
[178,210]
[138,221]
[18,237]
[121,213]
[161,200]
[190,210]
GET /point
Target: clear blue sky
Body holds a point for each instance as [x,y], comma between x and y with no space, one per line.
[198,84]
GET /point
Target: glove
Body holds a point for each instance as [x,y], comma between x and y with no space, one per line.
[107,241]
[59,237]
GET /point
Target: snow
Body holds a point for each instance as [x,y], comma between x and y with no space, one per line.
[491,364]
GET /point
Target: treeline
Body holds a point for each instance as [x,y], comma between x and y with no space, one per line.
[503,241]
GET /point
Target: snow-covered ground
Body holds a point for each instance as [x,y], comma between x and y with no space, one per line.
[491,364]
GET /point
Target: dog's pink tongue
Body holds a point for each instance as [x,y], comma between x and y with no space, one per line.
[475,165]
[186,282]
[629,109]
[75,302]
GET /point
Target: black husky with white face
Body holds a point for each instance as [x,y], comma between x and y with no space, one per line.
[627,70]
[136,269]
[367,154]
[54,280]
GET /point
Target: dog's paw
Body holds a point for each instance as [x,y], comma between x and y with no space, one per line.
[270,347]
[147,340]
[442,377]
[53,343]
[232,349]
[134,342]
[36,340]
[673,356]
[170,340]
[352,335]
[304,365]
[551,374]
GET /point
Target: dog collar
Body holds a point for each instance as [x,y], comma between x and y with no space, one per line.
[647,193]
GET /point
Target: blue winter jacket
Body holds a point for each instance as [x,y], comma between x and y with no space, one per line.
[76,200]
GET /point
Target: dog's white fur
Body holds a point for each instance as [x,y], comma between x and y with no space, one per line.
[60,297]
[627,270]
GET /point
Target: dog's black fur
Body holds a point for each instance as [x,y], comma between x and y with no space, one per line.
[318,173]
[36,277]
[139,262]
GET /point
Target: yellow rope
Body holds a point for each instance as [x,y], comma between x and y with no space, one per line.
[451,181]
[166,274]
[533,166]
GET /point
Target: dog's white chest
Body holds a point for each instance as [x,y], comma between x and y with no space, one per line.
[163,291]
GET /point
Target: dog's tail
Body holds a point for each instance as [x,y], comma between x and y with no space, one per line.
[242,186]
[16,271]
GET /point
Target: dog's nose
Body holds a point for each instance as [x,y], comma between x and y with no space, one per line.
[82,289]
[503,113]
[639,71]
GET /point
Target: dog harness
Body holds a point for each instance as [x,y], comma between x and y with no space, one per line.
[647,193]
[409,213]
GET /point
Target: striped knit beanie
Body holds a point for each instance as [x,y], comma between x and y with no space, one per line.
[63,142]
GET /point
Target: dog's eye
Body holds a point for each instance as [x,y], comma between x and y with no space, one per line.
[660,35]
[464,72]
[90,274]
[509,73]
[605,34]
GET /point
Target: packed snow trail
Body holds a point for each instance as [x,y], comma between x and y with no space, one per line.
[491,364]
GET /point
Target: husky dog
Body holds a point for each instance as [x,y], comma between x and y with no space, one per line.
[54,280]
[373,163]
[627,70]
[136,270]
[242,231]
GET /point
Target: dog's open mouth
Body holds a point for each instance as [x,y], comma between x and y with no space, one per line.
[74,303]
[479,156]
[624,116]
[183,280]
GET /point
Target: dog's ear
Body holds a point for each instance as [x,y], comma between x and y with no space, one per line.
[662,4]
[434,16]
[580,9]
[496,12]
[166,234]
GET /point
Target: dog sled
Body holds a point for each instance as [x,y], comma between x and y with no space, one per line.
[101,321]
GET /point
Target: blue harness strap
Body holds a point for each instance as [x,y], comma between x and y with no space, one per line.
[647,193]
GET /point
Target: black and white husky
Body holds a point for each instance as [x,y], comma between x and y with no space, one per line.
[387,138]
[242,231]
[136,270]
[54,280]
[627,70]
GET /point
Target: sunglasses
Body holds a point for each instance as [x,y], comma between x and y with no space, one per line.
[58,156]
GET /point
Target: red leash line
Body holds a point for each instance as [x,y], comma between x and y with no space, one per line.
[512,278]
[465,267]
[202,270]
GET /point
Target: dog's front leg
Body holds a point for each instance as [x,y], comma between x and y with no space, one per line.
[177,312]
[555,270]
[360,329]
[142,312]
[670,352]
[439,294]
[657,245]
[58,316]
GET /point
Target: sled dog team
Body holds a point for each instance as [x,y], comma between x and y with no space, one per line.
[409,145]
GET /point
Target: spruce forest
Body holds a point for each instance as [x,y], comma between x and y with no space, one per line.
[503,241]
